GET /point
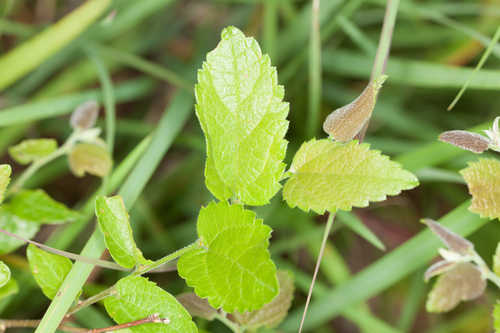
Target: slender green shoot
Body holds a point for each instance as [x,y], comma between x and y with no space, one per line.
[314,71]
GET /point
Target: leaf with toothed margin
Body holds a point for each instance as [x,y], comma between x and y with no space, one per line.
[5,172]
[483,180]
[233,268]
[137,298]
[241,111]
[327,176]
[49,270]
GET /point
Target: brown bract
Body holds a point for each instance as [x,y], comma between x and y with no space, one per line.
[466,140]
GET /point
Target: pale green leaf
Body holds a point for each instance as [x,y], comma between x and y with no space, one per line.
[329,175]
[90,158]
[483,180]
[240,108]
[496,318]
[496,261]
[196,306]
[272,313]
[4,274]
[38,206]
[232,269]
[49,270]
[15,225]
[32,149]
[463,282]
[5,172]
[11,288]
[114,223]
[137,298]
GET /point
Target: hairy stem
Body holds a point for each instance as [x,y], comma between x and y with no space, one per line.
[329,223]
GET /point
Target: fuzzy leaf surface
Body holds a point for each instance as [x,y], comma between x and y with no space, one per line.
[271,314]
[233,268]
[15,225]
[483,180]
[137,298]
[114,223]
[49,270]
[241,110]
[38,206]
[32,149]
[327,176]
[5,172]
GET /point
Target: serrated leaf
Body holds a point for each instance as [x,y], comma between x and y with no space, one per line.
[137,298]
[344,123]
[233,269]
[4,274]
[483,180]
[32,149]
[5,172]
[85,115]
[196,306]
[15,225]
[473,142]
[114,223]
[453,241]
[38,206]
[330,175]
[11,288]
[496,261]
[90,158]
[272,313]
[463,282]
[49,270]
[240,108]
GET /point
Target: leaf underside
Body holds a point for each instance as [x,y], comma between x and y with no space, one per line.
[233,269]
[243,117]
[327,176]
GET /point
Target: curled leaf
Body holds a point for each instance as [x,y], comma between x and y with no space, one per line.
[344,123]
[85,115]
[90,158]
[4,274]
[196,306]
[483,180]
[438,268]
[32,149]
[453,241]
[5,172]
[463,282]
[473,142]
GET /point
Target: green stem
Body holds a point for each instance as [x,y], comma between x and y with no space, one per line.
[314,71]
[486,270]
[328,227]
[168,258]
[270,26]
[230,324]
[91,300]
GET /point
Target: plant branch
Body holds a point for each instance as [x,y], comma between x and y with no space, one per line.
[91,300]
[168,258]
[328,227]
[230,324]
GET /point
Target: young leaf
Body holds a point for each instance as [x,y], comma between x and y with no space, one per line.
[197,307]
[5,172]
[344,123]
[463,282]
[330,175]
[483,180]
[496,261]
[90,158]
[38,206]
[49,270]
[272,313]
[454,242]
[240,108]
[114,223]
[11,288]
[233,269]
[4,274]
[137,298]
[15,225]
[473,142]
[31,150]
[438,268]
[85,115]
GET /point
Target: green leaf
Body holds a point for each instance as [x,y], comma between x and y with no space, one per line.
[49,270]
[272,313]
[137,298]
[11,288]
[32,149]
[90,158]
[5,172]
[496,261]
[197,307]
[4,274]
[330,175]
[240,108]
[496,317]
[15,225]
[38,206]
[232,269]
[483,180]
[464,282]
[114,223]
